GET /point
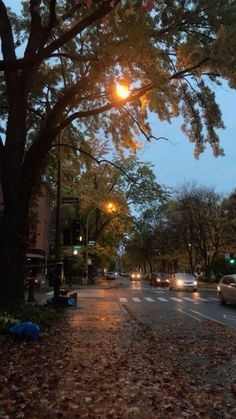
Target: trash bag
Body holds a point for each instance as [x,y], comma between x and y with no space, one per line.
[25,330]
[63,301]
[72,302]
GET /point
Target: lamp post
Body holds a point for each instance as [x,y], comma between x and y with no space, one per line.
[109,207]
[86,243]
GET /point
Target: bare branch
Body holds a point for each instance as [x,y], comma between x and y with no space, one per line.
[95,159]
[148,137]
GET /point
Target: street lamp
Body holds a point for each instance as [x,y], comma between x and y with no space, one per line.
[122,91]
[110,207]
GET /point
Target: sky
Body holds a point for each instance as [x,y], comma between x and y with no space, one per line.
[174,163]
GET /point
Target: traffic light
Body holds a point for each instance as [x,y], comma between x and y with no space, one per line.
[232,259]
[77,239]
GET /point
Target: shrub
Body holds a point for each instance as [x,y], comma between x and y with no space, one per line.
[42,315]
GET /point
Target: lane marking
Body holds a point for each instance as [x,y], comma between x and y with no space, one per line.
[136,299]
[189,315]
[210,318]
[176,299]
[229,316]
[213,299]
[123,300]
[162,299]
[149,299]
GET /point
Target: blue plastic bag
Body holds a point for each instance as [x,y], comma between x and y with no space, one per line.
[28,330]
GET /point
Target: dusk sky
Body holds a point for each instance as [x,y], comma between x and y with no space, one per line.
[175,164]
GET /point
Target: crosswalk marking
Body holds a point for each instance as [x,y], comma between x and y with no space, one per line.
[123,300]
[176,299]
[189,299]
[162,299]
[200,299]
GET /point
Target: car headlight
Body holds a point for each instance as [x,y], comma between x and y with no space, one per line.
[195,282]
[158,280]
[179,282]
[218,288]
[167,280]
[132,276]
[138,275]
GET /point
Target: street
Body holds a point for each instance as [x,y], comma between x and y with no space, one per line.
[147,302]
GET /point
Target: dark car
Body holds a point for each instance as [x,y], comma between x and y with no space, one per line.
[159,279]
[111,275]
[33,281]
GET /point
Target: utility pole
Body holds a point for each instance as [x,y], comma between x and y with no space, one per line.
[57,281]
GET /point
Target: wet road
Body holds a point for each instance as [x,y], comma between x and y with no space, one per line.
[151,304]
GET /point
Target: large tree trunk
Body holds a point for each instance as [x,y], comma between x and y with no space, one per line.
[13,246]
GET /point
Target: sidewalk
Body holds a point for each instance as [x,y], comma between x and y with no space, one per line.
[101,362]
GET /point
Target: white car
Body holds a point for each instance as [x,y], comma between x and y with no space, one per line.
[183,281]
[226,289]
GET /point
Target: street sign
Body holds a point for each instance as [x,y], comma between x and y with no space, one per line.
[70,200]
[227,255]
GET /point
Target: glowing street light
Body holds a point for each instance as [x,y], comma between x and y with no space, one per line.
[110,207]
[122,91]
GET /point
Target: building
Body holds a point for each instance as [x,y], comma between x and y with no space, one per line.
[41,209]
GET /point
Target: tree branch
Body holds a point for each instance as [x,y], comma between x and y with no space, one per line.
[95,159]
[36,29]
[106,7]
[8,48]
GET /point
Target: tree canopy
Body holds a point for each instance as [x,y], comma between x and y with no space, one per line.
[59,66]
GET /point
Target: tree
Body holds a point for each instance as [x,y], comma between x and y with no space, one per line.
[198,223]
[64,79]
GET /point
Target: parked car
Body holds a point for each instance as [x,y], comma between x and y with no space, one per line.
[226,289]
[31,280]
[183,281]
[159,279]
[111,275]
[147,276]
[136,276]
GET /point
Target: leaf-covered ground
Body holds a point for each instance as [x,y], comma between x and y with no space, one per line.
[99,362]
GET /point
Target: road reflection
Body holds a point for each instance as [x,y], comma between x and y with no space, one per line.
[136,285]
